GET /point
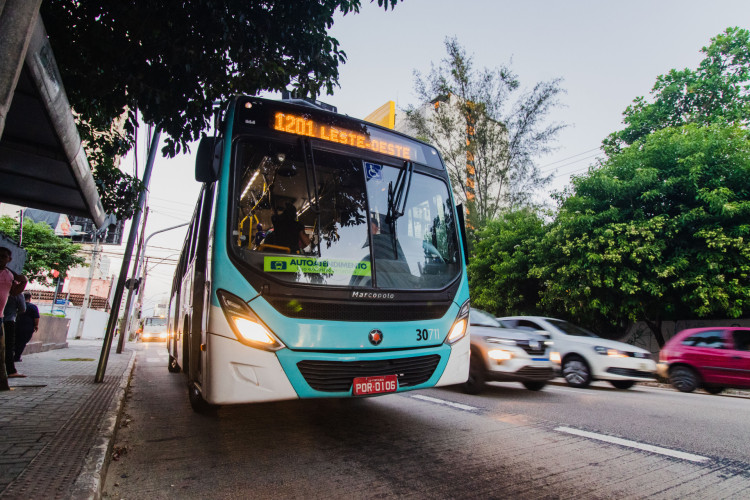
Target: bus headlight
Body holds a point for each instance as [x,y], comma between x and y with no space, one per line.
[458,330]
[245,324]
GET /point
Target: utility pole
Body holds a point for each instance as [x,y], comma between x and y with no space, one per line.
[87,293]
[144,271]
[133,284]
[109,333]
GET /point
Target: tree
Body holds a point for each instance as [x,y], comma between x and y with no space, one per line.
[45,251]
[486,118]
[718,91]
[170,60]
[659,232]
[499,268]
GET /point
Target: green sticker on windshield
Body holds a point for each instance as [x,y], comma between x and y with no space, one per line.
[312,265]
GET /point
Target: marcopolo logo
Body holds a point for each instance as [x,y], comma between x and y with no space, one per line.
[373,295]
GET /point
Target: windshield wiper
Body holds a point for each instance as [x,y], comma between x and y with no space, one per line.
[397,196]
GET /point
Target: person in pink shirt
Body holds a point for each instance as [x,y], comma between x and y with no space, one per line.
[10,284]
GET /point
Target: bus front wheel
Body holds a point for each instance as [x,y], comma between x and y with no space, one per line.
[199,404]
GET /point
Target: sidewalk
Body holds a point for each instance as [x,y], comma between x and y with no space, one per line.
[56,425]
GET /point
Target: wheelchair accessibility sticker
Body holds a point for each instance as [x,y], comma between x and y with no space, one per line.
[374,171]
[309,265]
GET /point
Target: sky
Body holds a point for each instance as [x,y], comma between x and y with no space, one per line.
[607,53]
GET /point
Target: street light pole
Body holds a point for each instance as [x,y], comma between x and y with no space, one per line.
[142,265]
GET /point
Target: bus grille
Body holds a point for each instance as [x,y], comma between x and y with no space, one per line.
[338,376]
[337,311]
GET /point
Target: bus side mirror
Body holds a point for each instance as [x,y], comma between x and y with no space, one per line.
[207,160]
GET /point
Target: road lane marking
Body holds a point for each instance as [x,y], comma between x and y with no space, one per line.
[444,402]
[634,444]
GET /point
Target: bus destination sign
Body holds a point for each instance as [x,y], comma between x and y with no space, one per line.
[300,125]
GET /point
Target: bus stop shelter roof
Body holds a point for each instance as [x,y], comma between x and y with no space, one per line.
[42,162]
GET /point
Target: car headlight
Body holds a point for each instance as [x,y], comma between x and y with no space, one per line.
[607,351]
[458,330]
[500,355]
[246,325]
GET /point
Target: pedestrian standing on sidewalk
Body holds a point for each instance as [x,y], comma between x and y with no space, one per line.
[26,324]
[16,305]
[10,284]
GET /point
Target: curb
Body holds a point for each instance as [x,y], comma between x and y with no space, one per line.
[89,482]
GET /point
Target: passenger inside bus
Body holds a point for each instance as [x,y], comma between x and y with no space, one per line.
[287,232]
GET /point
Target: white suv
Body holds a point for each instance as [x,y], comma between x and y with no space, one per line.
[587,357]
[508,355]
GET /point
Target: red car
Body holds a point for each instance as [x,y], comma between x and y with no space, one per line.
[712,358]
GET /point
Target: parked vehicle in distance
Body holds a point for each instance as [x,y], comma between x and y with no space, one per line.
[713,358]
[505,354]
[154,329]
[587,357]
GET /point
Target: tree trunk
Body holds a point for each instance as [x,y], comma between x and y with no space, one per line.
[655,327]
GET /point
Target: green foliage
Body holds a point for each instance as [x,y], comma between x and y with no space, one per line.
[507,125]
[118,190]
[499,268]
[45,251]
[659,232]
[170,60]
[718,91]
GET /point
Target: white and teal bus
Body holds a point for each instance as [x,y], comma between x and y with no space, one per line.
[325,258]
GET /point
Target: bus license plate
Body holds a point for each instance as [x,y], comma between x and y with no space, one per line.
[374,385]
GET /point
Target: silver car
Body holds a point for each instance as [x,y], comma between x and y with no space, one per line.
[506,354]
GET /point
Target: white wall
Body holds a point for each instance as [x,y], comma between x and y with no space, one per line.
[95,323]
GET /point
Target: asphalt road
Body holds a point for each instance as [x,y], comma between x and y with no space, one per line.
[507,442]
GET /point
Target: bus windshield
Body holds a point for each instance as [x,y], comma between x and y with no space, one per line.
[313,216]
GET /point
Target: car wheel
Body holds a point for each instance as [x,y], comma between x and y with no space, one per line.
[173,367]
[683,379]
[534,385]
[622,384]
[713,389]
[576,372]
[475,382]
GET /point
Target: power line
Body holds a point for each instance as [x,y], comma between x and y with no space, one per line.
[575,162]
[570,157]
[192,205]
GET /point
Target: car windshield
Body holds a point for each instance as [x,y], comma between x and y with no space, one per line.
[155,322]
[571,329]
[481,318]
[309,216]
